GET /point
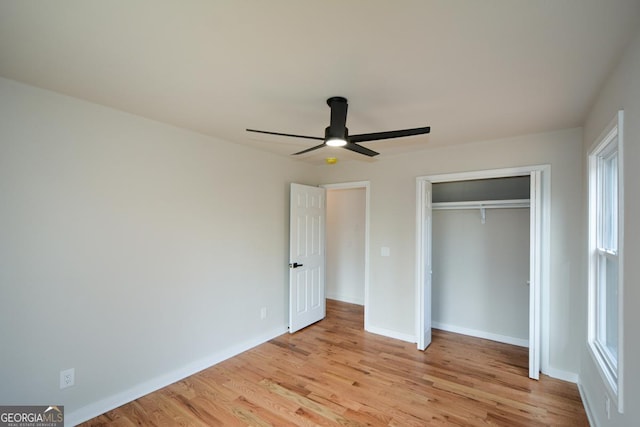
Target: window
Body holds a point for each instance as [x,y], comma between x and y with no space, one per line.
[605,256]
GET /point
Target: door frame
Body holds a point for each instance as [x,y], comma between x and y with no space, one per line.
[367,190]
[540,260]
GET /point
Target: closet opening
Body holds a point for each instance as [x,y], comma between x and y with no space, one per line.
[482,265]
[480,281]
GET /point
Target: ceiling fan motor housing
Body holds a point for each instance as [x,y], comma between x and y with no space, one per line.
[336,133]
[329,134]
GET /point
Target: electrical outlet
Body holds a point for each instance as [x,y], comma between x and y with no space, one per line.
[67,378]
[263,313]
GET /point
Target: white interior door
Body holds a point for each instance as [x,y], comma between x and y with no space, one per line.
[306,256]
[424,295]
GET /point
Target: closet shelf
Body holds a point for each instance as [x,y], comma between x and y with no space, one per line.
[482,204]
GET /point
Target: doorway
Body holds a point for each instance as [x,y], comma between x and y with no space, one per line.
[347,237]
[539,256]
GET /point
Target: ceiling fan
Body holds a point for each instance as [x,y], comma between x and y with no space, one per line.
[337,134]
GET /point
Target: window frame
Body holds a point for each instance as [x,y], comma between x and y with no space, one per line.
[611,366]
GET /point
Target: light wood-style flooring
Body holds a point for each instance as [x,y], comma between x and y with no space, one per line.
[334,373]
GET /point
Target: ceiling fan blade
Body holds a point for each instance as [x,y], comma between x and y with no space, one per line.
[308,149]
[389,134]
[286,134]
[360,149]
[337,127]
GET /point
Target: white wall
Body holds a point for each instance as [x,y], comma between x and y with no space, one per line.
[480,273]
[392,224]
[345,244]
[130,250]
[621,91]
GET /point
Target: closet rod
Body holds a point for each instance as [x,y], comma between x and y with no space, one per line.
[483,204]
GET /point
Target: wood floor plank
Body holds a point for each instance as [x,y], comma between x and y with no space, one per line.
[333,373]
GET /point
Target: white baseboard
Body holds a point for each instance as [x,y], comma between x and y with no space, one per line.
[585,403]
[111,402]
[559,374]
[391,334]
[481,334]
[344,298]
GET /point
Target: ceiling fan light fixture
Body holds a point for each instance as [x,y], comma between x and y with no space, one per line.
[334,138]
[336,142]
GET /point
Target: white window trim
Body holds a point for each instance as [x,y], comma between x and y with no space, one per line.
[614,384]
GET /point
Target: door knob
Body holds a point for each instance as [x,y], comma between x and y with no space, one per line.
[295,265]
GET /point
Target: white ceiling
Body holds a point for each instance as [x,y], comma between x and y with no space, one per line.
[472,70]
